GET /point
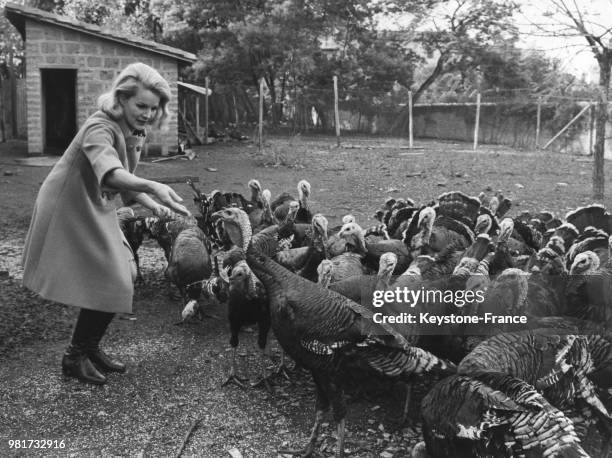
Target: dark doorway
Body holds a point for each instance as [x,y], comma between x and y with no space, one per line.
[59,108]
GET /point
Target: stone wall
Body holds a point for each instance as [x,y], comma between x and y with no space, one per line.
[98,62]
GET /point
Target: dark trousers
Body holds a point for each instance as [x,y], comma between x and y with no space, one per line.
[90,327]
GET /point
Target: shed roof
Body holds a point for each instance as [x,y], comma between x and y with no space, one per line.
[195,88]
[17,14]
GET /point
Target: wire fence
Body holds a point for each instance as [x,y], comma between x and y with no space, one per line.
[520,118]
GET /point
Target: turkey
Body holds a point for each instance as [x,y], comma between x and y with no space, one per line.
[165,230]
[502,258]
[550,260]
[588,293]
[490,414]
[432,234]
[399,220]
[567,232]
[594,215]
[133,228]
[255,206]
[334,244]
[553,360]
[361,288]
[247,304]
[383,214]
[280,205]
[503,206]
[266,218]
[484,224]
[372,251]
[324,332]
[591,239]
[188,266]
[305,260]
[324,273]
[460,207]
[418,233]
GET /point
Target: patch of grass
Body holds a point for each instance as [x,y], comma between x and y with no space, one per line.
[290,155]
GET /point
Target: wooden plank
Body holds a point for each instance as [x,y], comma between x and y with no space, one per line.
[336,111]
[3,104]
[538,123]
[261,100]
[567,126]
[206,102]
[177,179]
[410,121]
[477,121]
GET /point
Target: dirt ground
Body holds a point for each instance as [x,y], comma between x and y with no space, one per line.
[173,385]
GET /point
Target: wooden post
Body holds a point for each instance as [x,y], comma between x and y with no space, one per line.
[13,96]
[538,123]
[206,84]
[477,123]
[336,112]
[261,100]
[574,119]
[197,118]
[410,138]
[2,105]
[235,108]
[591,130]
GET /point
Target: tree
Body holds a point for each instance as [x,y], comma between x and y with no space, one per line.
[131,17]
[457,36]
[565,20]
[280,41]
[464,33]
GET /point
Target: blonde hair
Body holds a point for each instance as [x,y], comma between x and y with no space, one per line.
[127,83]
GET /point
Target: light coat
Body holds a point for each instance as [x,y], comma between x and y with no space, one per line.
[75,252]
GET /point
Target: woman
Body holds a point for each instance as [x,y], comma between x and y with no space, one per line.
[75,252]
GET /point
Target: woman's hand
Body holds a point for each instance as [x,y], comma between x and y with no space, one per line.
[170,200]
[162,211]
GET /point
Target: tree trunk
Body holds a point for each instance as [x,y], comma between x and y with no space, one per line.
[272,88]
[251,115]
[601,118]
[437,71]
[281,102]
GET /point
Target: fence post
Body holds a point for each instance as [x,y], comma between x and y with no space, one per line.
[477,123]
[336,113]
[592,127]
[2,105]
[13,85]
[235,108]
[260,130]
[410,120]
[206,84]
[538,123]
[197,118]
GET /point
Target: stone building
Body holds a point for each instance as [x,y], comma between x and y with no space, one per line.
[70,63]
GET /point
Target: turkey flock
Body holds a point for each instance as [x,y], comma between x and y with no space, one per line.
[541,387]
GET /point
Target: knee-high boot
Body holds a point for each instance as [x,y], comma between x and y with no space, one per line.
[75,362]
[97,356]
